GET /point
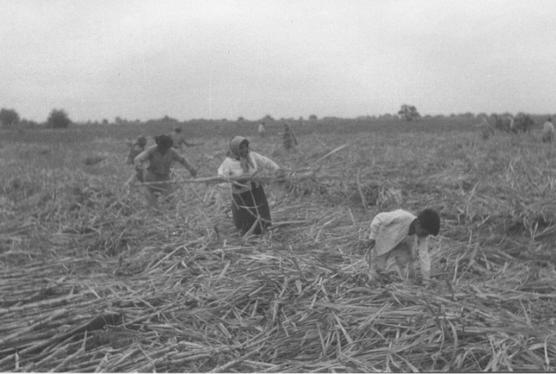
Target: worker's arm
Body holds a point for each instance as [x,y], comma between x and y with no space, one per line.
[179,158]
[143,157]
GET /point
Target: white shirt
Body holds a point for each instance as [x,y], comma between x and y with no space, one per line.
[232,168]
[390,229]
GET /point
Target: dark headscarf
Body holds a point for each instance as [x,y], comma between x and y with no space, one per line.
[233,152]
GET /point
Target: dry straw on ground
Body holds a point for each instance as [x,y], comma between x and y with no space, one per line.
[91,282]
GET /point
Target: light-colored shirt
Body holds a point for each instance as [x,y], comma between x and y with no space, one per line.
[232,168]
[390,230]
[548,127]
[159,163]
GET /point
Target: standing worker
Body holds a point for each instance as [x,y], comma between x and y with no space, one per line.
[156,175]
[288,137]
[250,209]
[262,130]
[548,131]
[486,129]
[178,138]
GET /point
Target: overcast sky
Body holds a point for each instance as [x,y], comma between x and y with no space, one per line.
[143,59]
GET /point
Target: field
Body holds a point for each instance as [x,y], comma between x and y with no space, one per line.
[92,280]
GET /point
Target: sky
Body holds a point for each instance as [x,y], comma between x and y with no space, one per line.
[214,59]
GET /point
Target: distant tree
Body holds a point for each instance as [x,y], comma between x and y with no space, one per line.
[240,119]
[105,121]
[387,117]
[168,119]
[8,117]
[313,117]
[409,112]
[267,118]
[288,119]
[58,119]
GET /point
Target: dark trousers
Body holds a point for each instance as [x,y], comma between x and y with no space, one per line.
[250,209]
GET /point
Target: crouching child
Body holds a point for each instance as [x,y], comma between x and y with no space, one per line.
[400,235]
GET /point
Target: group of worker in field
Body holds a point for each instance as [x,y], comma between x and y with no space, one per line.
[522,123]
[399,235]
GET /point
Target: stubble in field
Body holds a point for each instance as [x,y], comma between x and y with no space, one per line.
[91,279]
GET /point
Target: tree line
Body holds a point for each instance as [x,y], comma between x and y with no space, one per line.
[57,119]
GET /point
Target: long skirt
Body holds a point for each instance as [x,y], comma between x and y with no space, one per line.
[250,210]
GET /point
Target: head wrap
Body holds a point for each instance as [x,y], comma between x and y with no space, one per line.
[233,152]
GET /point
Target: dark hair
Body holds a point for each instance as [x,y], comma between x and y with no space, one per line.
[549,118]
[177,129]
[430,221]
[163,142]
[141,140]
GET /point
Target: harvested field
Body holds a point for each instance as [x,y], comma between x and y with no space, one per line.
[92,281]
